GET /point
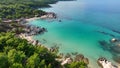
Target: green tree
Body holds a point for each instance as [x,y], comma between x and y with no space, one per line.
[0,20]
[49,66]
[42,64]
[3,61]
[16,65]
[33,61]
[7,49]
[16,56]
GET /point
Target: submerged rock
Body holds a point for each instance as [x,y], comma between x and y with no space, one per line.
[115,45]
[105,45]
[117,59]
[79,57]
[86,60]
[115,49]
[105,33]
[60,20]
[112,46]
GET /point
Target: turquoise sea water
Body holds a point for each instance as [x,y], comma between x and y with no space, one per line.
[78,30]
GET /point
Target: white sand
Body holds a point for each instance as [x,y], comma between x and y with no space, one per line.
[28,38]
[31,19]
[31,40]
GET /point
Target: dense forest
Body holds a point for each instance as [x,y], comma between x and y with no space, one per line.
[15,9]
[17,53]
[32,3]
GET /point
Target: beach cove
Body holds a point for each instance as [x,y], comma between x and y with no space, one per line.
[78,29]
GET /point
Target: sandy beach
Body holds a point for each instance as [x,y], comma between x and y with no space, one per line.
[49,15]
[31,40]
[28,38]
[31,19]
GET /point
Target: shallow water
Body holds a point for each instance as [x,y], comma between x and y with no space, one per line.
[78,30]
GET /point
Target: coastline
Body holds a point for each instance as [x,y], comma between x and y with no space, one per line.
[31,19]
[31,40]
[28,38]
[34,18]
[48,15]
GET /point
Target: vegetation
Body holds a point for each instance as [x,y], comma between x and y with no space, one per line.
[17,53]
[31,3]
[15,9]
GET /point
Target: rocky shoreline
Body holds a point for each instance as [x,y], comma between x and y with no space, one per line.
[31,30]
[104,63]
[24,30]
[63,60]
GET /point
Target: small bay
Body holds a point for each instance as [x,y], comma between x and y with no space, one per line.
[78,30]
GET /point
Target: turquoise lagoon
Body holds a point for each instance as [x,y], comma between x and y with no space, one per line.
[78,30]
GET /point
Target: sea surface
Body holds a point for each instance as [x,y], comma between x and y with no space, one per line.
[81,26]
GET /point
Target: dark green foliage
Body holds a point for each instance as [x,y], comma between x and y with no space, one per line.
[17,53]
[16,65]
[15,9]
[3,60]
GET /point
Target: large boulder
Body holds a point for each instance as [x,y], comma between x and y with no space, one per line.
[114,40]
[104,63]
[79,57]
[86,60]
